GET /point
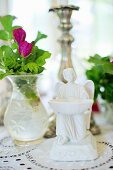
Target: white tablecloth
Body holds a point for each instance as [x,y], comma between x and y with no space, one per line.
[37,157]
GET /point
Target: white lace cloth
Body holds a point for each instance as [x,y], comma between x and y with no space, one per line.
[37,157]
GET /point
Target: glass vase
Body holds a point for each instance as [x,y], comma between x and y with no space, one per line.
[25,118]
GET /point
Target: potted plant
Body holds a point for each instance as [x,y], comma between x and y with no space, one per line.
[25,117]
[101,73]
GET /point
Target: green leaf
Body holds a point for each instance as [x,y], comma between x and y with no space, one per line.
[14,46]
[41,60]
[2,75]
[39,37]
[3,35]
[97,59]
[8,57]
[37,52]
[33,56]
[108,68]
[107,94]
[38,56]
[1,60]
[105,68]
[94,58]
[41,69]
[1,53]
[31,67]
[7,22]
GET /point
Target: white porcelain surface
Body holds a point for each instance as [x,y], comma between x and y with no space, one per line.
[81,151]
[72,105]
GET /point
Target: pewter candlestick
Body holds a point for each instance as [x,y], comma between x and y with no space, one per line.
[64,13]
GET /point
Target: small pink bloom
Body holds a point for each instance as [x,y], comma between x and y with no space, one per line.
[112,62]
[95,107]
[25,48]
[19,35]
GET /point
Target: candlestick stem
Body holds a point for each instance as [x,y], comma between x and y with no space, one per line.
[64,13]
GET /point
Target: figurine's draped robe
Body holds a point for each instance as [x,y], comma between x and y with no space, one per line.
[72,127]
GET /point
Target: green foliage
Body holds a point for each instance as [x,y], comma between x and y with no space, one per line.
[7,22]
[8,57]
[11,62]
[101,73]
[4,35]
[26,87]
[41,59]
[39,37]
[31,67]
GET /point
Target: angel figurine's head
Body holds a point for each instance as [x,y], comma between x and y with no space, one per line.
[69,75]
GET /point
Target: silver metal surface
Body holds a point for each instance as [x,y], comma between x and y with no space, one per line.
[64,13]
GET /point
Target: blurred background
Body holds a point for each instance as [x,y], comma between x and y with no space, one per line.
[92,30]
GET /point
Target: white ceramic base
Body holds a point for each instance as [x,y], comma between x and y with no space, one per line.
[83,151]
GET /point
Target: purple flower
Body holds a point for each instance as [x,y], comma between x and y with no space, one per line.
[19,35]
[25,48]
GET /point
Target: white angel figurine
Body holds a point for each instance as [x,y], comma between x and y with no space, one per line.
[73,105]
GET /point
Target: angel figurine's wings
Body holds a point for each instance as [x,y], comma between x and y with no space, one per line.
[89,86]
[57,89]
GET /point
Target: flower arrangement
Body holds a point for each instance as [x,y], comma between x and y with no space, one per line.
[19,57]
[101,73]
